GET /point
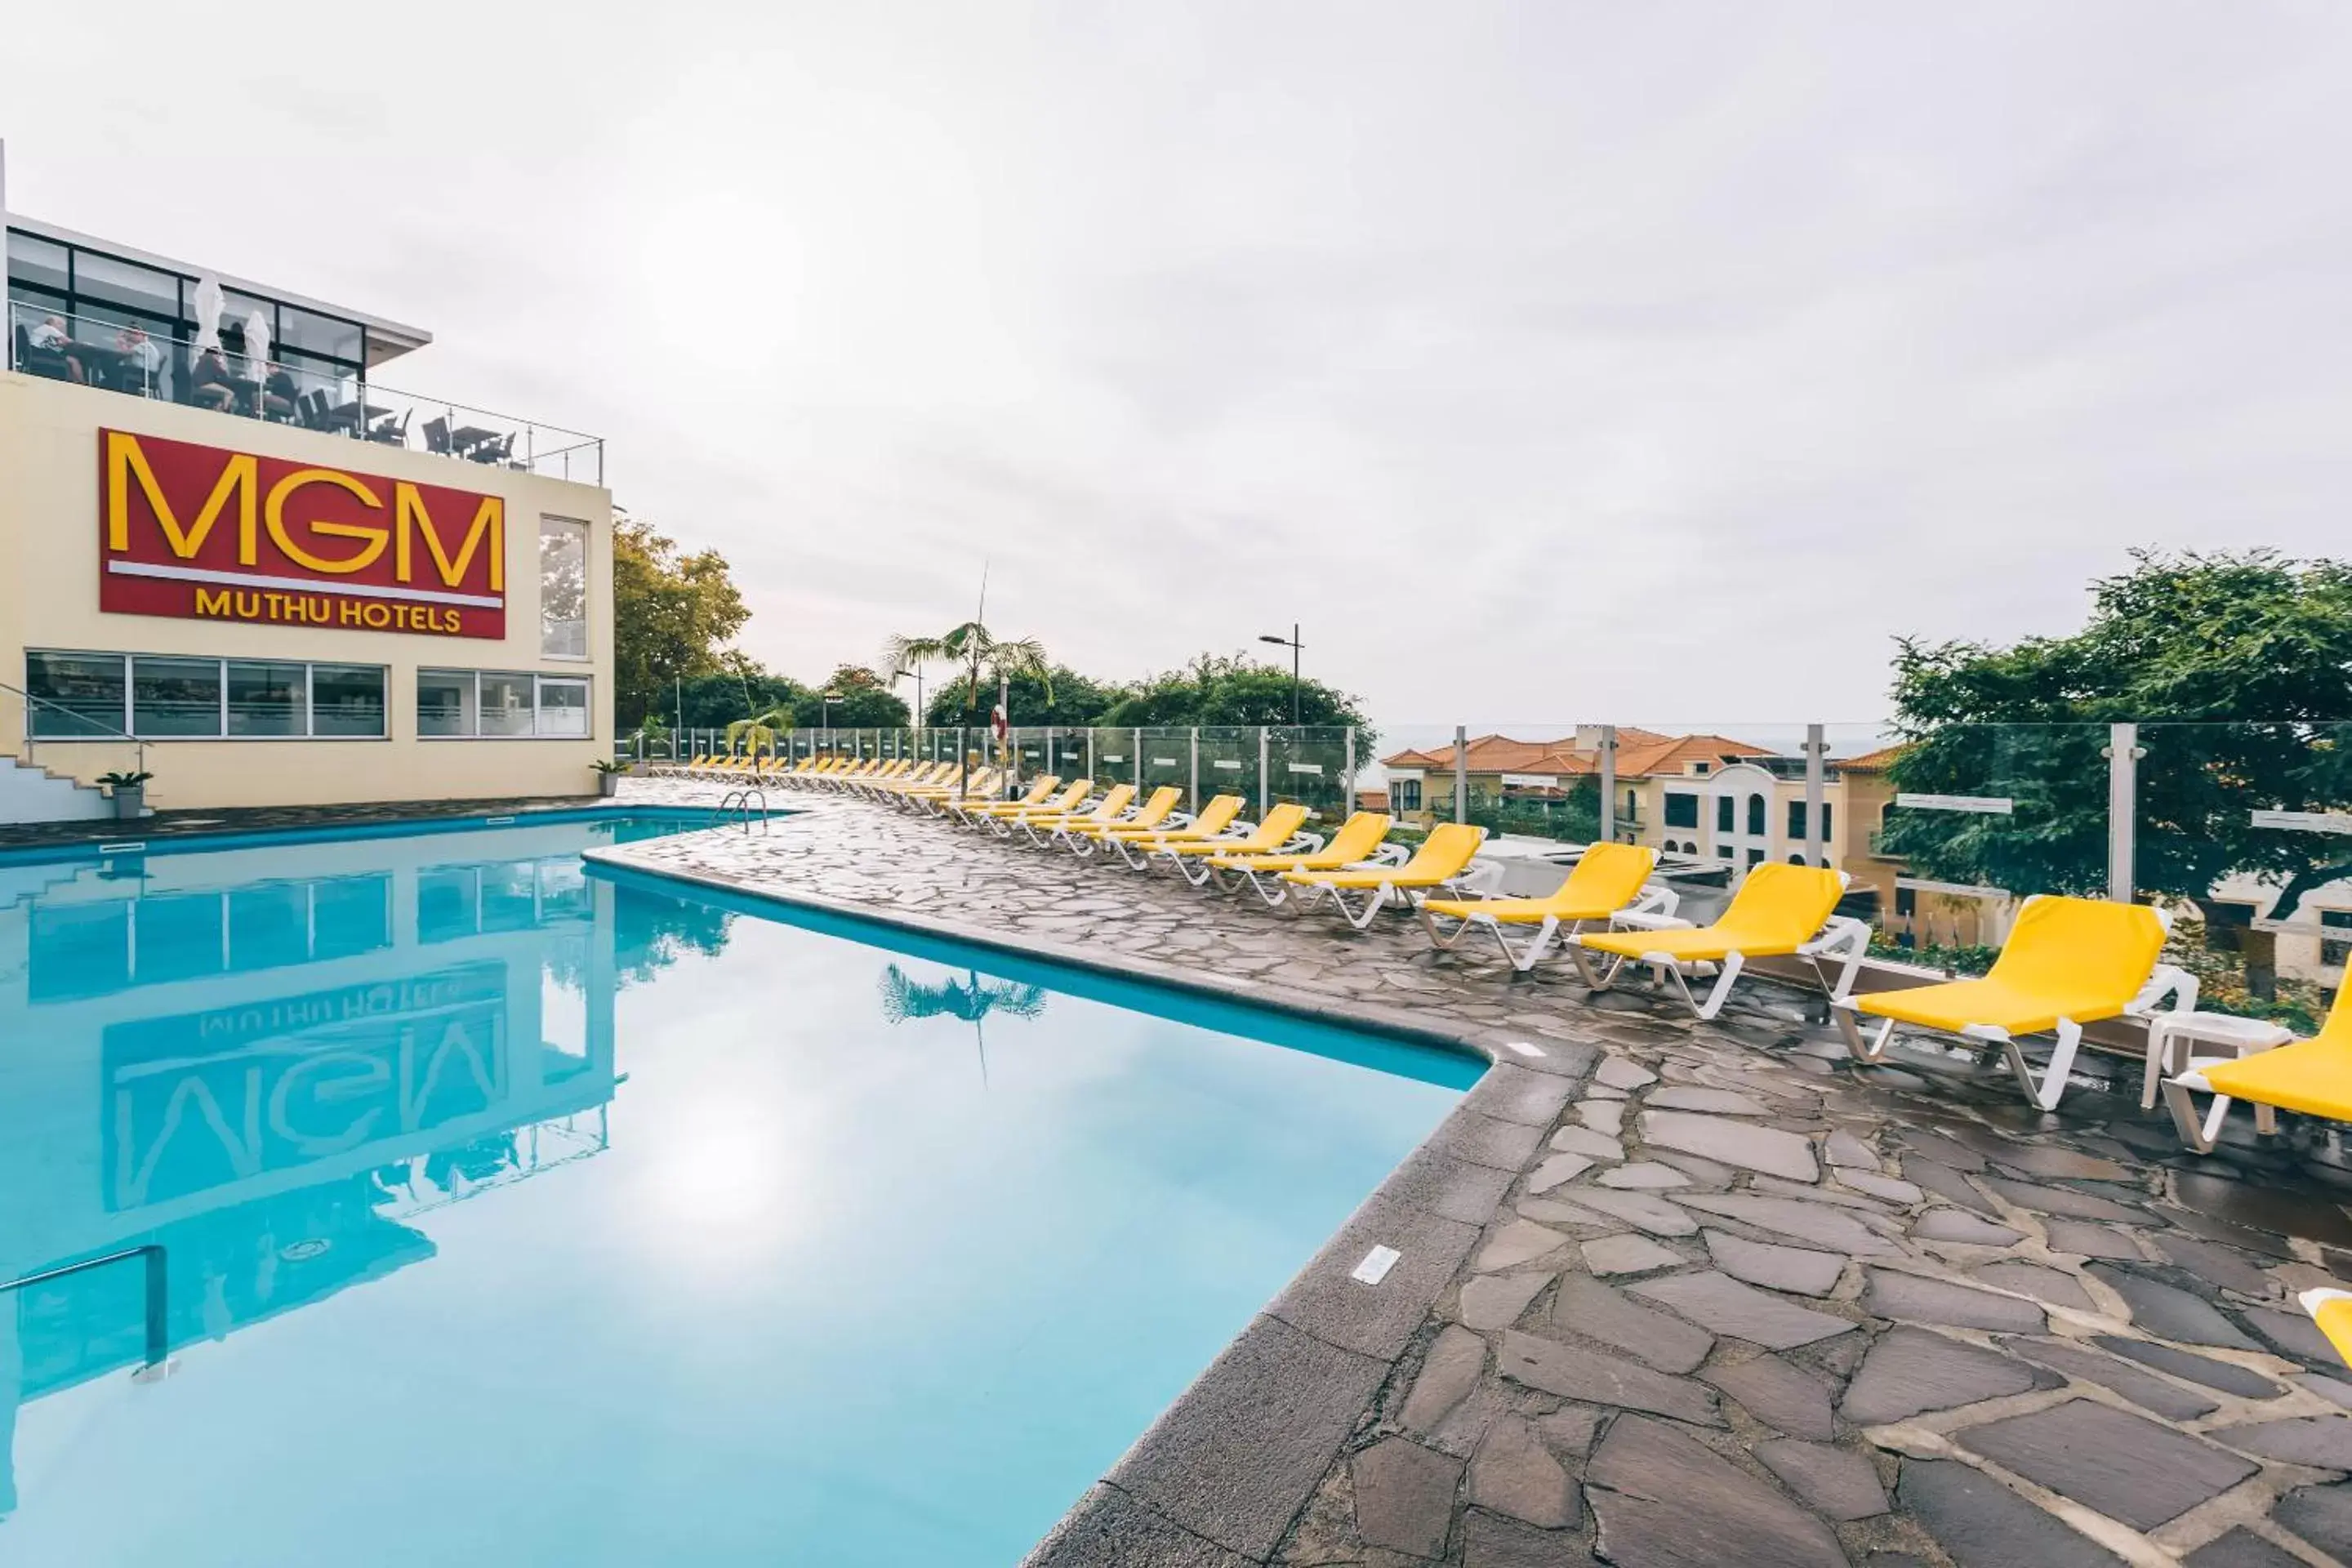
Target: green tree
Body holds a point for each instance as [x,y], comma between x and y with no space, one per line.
[2238,665]
[980,659]
[673,616]
[1057,696]
[1233,688]
[867,701]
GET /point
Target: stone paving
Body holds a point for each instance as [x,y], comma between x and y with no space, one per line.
[1677,1295]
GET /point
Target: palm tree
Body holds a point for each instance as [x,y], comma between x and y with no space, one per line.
[759,730]
[972,999]
[977,653]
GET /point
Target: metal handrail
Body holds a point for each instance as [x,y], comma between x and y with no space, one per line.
[738,803]
[159,1320]
[31,740]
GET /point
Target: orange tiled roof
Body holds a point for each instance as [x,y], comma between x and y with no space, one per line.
[1502,755]
[1877,762]
[1671,754]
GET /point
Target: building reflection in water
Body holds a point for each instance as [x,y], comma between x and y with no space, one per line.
[268,1078]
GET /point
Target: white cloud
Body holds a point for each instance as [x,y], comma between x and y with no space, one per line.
[1548,362]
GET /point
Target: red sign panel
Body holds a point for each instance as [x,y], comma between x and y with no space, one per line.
[203,533]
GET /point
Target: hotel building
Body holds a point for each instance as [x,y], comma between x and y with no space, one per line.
[232,556]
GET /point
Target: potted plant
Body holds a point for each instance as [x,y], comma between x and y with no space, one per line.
[608,776]
[130,793]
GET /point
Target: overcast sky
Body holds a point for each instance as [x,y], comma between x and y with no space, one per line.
[1551,362]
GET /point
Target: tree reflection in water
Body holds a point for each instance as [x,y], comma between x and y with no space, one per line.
[972,999]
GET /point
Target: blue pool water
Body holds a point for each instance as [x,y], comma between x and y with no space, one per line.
[513,1213]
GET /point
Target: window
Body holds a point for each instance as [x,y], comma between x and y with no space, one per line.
[487,704]
[2335,951]
[38,264]
[1405,794]
[102,278]
[347,700]
[1681,809]
[1796,819]
[1756,828]
[267,699]
[562,588]
[1723,809]
[156,697]
[176,696]
[77,695]
[1701,768]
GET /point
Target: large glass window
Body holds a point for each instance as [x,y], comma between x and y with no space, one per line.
[169,697]
[267,699]
[36,263]
[501,705]
[506,704]
[1681,808]
[562,588]
[176,696]
[563,708]
[76,695]
[445,702]
[347,700]
[1723,814]
[330,337]
[102,278]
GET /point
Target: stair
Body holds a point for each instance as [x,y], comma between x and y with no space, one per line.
[36,795]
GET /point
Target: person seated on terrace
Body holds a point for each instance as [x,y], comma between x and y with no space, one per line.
[214,387]
[51,337]
[138,349]
[279,394]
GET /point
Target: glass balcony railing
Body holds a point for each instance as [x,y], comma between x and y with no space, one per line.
[120,356]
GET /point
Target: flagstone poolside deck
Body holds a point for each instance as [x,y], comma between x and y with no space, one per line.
[1675,1295]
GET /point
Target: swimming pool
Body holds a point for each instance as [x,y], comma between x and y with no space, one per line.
[514,1212]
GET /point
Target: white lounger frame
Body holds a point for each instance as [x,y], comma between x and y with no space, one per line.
[2044,1088]
[1274,892]
[1654,899]
[1471,882]
[1840,937]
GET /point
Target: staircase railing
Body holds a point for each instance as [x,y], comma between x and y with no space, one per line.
[101,733]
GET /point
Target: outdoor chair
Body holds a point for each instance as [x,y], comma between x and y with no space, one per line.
[1608,881]
[1043,826]
[1003,822]
[2310,1077]
[1212,824]
[973,813]
[1279,830]
[1356,846]
[1443,863]
[1779,911]
[2332,1310]
[1080,836]
[2067,963]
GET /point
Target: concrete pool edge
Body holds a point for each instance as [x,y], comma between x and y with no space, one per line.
[1219,1477]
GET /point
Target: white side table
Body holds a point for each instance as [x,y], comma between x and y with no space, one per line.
[2173,1042]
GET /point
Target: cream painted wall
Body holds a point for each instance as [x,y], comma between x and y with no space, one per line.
[50,548]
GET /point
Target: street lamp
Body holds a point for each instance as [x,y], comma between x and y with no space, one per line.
[1294,645]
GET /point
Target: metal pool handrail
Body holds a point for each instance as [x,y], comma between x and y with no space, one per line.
[159,1328]
[105,733]
[740,802]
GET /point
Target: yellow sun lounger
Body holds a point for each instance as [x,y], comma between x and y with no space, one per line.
[1001,818]
[2067,963]
[2332,1310]
[975,812]
[1042,825]
[1608,880]
[1279,828]
[1356,846]
[2310,1077]
[1210,824]
[1082,835]
[1442,863]
[984,783]
[1779,911]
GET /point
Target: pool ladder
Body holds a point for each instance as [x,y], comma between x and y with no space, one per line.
[157,1363]
[738,804]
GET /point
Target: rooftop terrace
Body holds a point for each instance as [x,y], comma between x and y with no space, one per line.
[103,314]
[1676,1294]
